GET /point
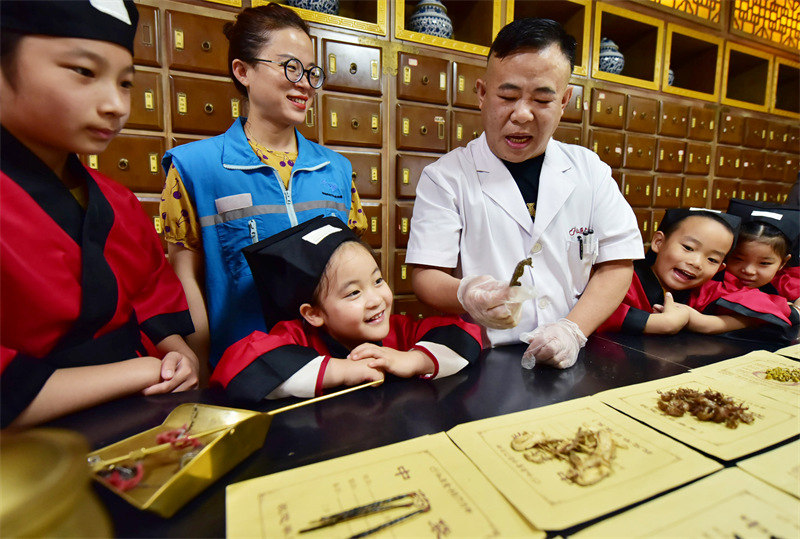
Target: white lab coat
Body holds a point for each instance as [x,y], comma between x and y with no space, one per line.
[470,215]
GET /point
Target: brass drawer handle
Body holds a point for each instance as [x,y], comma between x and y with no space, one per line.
[643,116]
[606,149]
[209,108]
[355,175]
[674,119]
[639,152]
[609,110]
[353,68]
[123,164]
[423,130]
[425,79]
[354,123]
[206,46]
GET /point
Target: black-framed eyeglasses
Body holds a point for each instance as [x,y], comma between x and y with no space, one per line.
[294,71]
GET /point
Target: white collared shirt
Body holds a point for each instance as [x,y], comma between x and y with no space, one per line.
[470,215]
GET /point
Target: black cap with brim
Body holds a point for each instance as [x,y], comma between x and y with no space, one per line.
[104,20]
[784,218]
[288,266]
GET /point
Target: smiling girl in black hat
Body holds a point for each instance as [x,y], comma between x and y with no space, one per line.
[89,303]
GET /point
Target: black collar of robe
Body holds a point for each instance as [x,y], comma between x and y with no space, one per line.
[89,229]
[652,287]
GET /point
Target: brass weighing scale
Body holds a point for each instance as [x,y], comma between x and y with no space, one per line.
[176,471]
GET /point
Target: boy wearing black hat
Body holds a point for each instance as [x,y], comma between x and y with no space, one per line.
[686,252]
[321,272]
[85,287]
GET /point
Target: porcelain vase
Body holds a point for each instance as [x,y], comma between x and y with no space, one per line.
[611,60]
[430,17]
[330,7]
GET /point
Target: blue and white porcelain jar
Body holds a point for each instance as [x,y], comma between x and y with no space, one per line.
[611,60]
[331,7]
[670,77]
[431,18]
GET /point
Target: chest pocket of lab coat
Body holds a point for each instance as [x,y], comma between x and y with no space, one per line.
[581,255]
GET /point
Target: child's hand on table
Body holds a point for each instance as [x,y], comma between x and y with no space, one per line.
[403,364]
[344,372]
[176,372]
[669,318]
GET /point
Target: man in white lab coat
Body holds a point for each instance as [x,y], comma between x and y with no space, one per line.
[515,193]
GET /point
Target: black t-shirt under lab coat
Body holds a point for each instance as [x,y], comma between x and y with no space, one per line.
[526,175]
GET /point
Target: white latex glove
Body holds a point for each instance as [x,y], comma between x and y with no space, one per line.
[556,344]
[492,303]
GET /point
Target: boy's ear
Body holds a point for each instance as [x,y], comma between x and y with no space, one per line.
[658,240]
[785,260]
[312,315]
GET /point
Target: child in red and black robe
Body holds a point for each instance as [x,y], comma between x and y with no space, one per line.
[337,326]
[89,303]
[686,252]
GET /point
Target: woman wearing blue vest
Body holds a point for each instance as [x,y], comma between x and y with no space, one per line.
[258,178]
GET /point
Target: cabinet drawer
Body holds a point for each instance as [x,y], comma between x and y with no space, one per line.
[351,121]
[658,216]
[352,68]
[465,88]
[413,307]
[774,167]
[402,275]
[667,191]
[569,134]
[643,221]
[374,233]
[793,142]
[421,128]
[728,163]
[573,112]
[608,108]
[701,123]
[755,132]
[695,193]
[366,173]
[674,119]
[465,126]
[147,108]
[750,191]
[752,164]
[422,78]
[731,128]
[146,42]
[203,106]
[402,223]
[409,168]
[698,158]
[639,151]
[722,191]
[777,136]
[132,160]
[773,193]
[637,189]
[642,114]
[791,168]
[669,155]
[150,207]
[310,126]
[608,145]
[196,43]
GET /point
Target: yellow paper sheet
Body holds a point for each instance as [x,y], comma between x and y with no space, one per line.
[462,502]
[750,369]
[649,462]
[779,467]
[792,351]
[729,503]
[775,421]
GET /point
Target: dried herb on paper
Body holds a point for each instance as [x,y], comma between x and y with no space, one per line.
[780,374]
[709,405]
[589,453]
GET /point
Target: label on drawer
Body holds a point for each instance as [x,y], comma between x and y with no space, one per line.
[92,158]
[183,106]
[334,119]
[235,108]
[461,83]
[178,39]
[331,63]
[153,162]
[442,80]
[406,75]
[149,100]
[373,70]
[373,171]
[406,176]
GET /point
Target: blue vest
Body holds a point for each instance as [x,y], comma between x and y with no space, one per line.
[239,200]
